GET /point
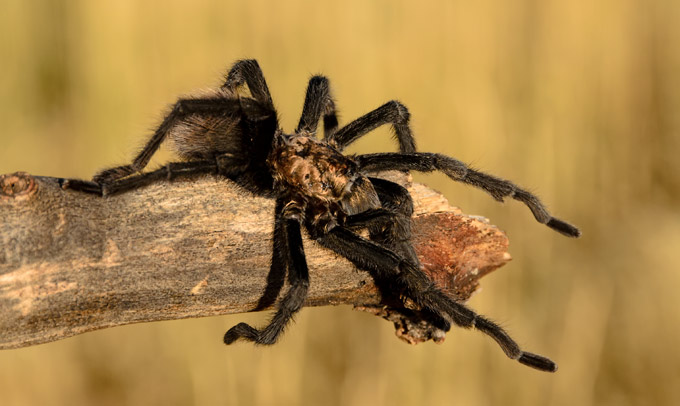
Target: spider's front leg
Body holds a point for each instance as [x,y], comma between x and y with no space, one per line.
[279,263]
[384,264]
[498,188]
[298,277]
[392,112]
[390,227]
[397,234]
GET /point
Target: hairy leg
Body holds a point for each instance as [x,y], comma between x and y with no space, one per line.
[298,277]
[214,106]
[318,102]
[391,230]
[385,264]
[397,235]
[248,72]
[392,112]
[279,262]
[171,171]
[458,171]
[225,165]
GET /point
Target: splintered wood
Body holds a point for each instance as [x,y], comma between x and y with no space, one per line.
[72,262]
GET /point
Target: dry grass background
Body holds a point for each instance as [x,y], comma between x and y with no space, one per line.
[578,100]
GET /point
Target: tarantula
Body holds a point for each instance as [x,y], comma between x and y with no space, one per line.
[316,187]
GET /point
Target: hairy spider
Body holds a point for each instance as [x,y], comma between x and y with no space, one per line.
[320,189]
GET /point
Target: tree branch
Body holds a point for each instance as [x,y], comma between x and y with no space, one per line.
[72,263]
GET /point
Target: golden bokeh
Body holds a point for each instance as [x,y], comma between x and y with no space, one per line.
[577,100]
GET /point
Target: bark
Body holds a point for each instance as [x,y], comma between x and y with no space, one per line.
[72,263]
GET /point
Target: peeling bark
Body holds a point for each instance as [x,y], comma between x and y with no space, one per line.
[72,263]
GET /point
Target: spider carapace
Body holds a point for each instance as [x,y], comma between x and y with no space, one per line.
[317,188]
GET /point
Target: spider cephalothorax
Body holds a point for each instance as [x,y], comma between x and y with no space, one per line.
[317,187]
[327,185]
[311,168]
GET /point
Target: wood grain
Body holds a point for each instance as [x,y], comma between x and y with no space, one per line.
[72,263]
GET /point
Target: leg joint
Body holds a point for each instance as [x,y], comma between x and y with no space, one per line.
[402,113]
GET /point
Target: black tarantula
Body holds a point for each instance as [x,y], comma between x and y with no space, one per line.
[320,189]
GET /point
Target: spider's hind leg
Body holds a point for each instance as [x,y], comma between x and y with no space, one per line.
[318,102]
[248,71]
[171,171]
[209,106]
[223,165]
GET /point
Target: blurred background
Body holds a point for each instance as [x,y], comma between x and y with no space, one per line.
[577,100]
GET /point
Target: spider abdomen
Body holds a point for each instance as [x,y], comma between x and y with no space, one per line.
[198,138]
[239,125]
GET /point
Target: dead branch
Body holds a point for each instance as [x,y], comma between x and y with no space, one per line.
[72,263]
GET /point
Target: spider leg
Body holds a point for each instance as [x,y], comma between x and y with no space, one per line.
[318,101]
[458,171]
[390,227]
[392,230]
[384,230]
[279,264]
[248,71]
[224,165]
[171,171]
[80,185]
[397,200]
[385,264]
[392,112]
[245,71]
[217,106]
[298,277]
